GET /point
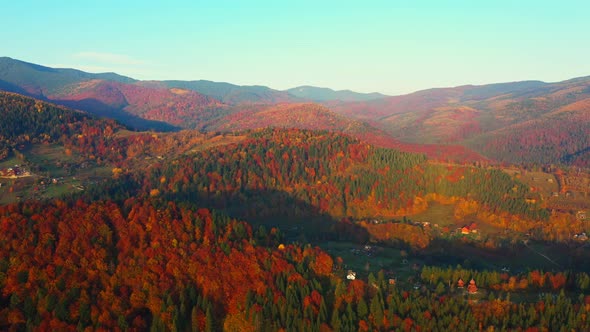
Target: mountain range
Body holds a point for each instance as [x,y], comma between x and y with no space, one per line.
[263,210]
[528,121]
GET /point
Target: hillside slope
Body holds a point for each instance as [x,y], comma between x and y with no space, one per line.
[27,121]
[527,121]
[317,117]
[177,107]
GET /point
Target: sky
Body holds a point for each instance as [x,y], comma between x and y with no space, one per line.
[392,47]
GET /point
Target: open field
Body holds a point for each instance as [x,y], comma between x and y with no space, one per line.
[544,183]
[437,213]
[54,173]
[365,260]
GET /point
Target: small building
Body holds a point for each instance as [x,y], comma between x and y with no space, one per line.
[581,215]
[467,229]
[392,281]
[472,288]
[555,194]
[351,275]
[460,283]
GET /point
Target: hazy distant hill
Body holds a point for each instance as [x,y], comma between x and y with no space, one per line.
[528,121]
[177,107]
[20,76]
[228,93]
[109,95]
[326,94]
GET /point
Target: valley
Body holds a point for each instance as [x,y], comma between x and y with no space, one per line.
[170,205]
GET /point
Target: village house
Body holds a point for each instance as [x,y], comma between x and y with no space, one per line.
[472,288]
[467,229]
[460,283]
[15,171]
[351,275]
[581,215]
[581,237]
[9,172]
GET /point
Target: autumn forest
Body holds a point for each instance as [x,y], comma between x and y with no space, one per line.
[132,205]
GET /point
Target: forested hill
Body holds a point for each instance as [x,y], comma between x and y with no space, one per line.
[28,121]
[143,265]
[285,172]
[317,117]
[529,121]
[151,254]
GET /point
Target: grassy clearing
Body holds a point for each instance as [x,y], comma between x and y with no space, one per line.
[216,141]
[437,214]
[544,182]
[394,262]
[50,159]
[10,162]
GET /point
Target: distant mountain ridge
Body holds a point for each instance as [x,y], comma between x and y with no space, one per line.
[227,92]
[42,81]
[326,94]
[528,121]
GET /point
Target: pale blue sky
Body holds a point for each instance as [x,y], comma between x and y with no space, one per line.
[392,47]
